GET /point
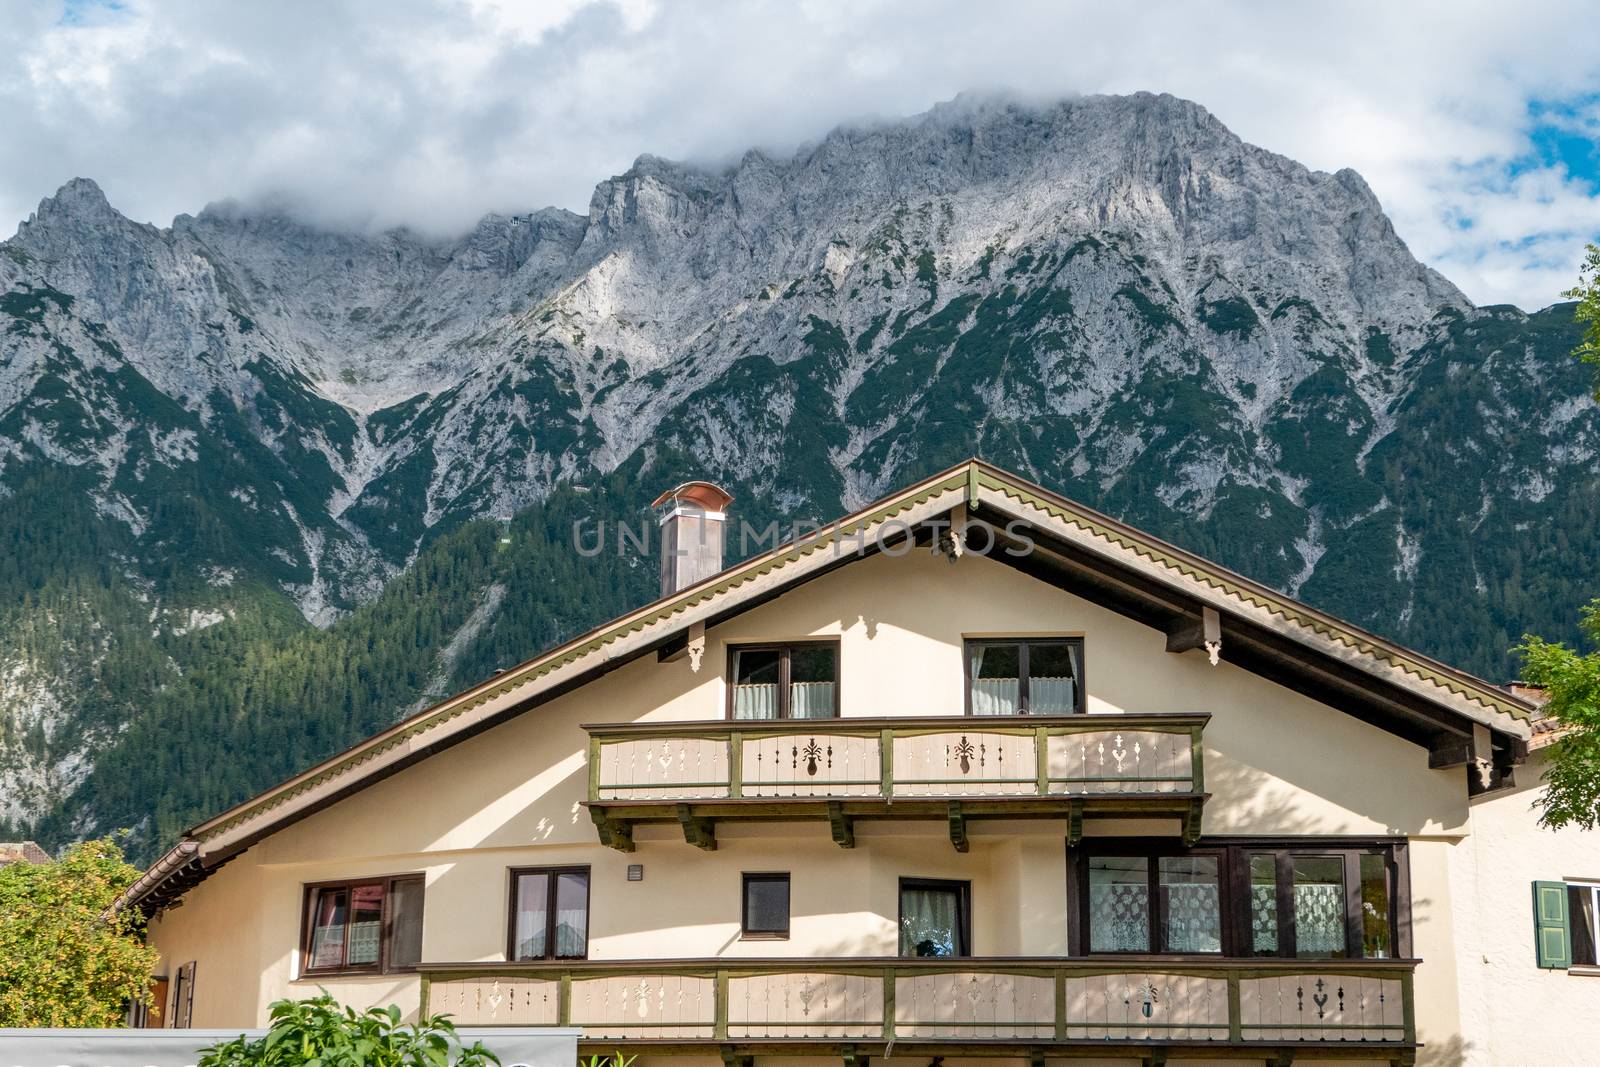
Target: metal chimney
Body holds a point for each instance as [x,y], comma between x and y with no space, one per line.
[693,517]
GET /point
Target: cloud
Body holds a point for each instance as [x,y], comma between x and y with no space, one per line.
[432,113]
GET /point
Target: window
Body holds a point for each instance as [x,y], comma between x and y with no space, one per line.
[549,913]
[1314,903]
[935,918]
[799,680]
[765,913]
[182,1014]
[1042,676]
[1565,916]
[1582,909]
[1248,898]
[1154,903]
[365,926]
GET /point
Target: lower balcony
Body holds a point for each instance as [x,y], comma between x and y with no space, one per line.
[843,770]
[1276,1009]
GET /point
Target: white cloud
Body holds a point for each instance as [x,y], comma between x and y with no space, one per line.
[434,113]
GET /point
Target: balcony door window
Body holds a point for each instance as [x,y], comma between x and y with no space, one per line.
[1315,904]
[363,926]
[1141,903]
[1241,898]
[935,918]
[1042,676]
[549,913]
[799,680]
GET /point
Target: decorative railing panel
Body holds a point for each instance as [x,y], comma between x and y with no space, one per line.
[1133,761]
[1078,755]
[1244,1003]
[650,768]
[975,1005]
[497,1001]
[805,1004]
[644,1006]
[1147,1006]
[811,764]
[964,763]
[1322,1007]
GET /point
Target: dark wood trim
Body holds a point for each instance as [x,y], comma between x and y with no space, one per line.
[512,875]
[963,891]
[1079,663]
[1234,854]
[1114,721]
[745,880]
[784,648]
[308,892]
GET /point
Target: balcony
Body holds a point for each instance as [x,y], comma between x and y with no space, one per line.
[954,769]
[863,1007]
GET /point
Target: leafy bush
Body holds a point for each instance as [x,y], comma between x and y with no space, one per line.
[65,958]
[320,1032]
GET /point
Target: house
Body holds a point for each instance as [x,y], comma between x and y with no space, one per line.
[22,852]
[974,773]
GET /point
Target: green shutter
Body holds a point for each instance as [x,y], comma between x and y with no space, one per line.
[1552,936]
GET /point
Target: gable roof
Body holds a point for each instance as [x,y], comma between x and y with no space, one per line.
[1147,577]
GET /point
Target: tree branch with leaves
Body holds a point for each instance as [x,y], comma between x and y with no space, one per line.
[1571,680]
[1587,294]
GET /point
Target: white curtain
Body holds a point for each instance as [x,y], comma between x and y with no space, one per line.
[1051,696]
[755,701]
[1319,919]
[811,700]
[929,923]
[993,696]
[1194,917]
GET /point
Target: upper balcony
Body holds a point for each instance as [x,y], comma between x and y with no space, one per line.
[840,770]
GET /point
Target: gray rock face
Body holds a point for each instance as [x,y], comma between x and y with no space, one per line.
[1113,294]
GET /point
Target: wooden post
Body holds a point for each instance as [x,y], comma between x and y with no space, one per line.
[1235,1011]
[1041,760]
[736,764]
[886,763]
[594,768]
[564,1000]
[719,1026]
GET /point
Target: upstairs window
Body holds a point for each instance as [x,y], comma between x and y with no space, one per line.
[935,918]
[1034,676]
[549,913]
[366,926]
[797,680]
[766,907]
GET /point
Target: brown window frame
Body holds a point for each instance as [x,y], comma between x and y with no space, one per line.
[1080,697]
[746,878]
[784,648]
[1234,888]
[963,890]
[308,897]
[515,873]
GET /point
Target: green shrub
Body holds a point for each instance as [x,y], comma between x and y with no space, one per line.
[319,1032]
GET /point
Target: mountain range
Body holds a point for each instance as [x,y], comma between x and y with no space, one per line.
[266,485]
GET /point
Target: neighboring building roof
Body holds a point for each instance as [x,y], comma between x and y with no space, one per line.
[1275,634]
[21,852]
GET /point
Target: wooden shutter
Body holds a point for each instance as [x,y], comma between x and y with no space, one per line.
[1552,935]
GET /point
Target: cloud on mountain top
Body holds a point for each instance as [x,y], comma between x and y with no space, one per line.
[1470,120]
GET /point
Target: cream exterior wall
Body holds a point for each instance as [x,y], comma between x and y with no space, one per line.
[1277,763]
[1515,1012]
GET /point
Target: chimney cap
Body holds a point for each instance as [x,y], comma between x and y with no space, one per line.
[702,495]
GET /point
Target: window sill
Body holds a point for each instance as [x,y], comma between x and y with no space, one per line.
[1587,970]
[756,935]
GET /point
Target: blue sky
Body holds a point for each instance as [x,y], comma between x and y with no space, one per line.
[1474,122]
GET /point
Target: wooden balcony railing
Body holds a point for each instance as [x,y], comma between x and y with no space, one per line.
[843,769]
[949,1003]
